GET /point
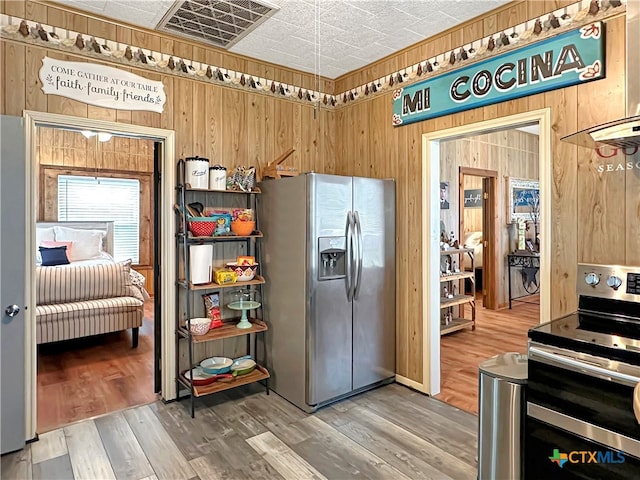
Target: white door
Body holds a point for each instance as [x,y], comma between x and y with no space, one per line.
[12,277]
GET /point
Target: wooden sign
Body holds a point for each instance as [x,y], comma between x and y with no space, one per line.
[100,85]
[567,59]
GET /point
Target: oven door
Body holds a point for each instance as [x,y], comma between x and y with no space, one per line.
[566,453]
[580,403]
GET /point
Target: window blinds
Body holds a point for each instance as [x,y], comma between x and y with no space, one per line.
[104,199]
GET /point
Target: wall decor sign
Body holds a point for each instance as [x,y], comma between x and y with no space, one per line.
[473,198]
[570,58]
[101,86]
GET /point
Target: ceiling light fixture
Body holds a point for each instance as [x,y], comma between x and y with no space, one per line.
[88,133]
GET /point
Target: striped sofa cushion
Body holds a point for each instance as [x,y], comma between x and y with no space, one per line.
[65,321]
[65,284]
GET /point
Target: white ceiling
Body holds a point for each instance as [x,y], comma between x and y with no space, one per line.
[329,37]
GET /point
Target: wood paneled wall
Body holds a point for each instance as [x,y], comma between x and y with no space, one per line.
[511,153]
[229,126]
[595,216]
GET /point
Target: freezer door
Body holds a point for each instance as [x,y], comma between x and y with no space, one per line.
[329,334]
[374,305]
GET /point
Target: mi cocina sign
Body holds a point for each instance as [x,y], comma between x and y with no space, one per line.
[102,86]
[566,59]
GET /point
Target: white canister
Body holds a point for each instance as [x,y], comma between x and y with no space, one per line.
[197,172]
[200,263]
[217,177]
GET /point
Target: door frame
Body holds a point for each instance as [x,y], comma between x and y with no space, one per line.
[35,119]
[490,300]
[430,219]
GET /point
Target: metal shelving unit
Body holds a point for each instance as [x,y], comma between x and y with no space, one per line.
[454,280]
[185,294]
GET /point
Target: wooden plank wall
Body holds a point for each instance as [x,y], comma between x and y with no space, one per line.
[226,125]
[595,216]
[511,153]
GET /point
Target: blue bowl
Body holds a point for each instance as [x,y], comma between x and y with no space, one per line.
[216,365]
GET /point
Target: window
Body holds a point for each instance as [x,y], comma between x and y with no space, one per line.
[104,199]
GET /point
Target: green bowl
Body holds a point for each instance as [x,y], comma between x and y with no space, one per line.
[243,366]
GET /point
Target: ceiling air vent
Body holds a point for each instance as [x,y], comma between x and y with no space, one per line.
[220,23]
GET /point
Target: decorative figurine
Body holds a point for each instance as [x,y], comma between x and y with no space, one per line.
[455,267]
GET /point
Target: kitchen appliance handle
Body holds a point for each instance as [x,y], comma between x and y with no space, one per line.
[595,433]
[358,280]
[348,261]
[584,367]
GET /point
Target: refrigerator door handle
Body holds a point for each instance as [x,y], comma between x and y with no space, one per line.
[359,253]
[349,261]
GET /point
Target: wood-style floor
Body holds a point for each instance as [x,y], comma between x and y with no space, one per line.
[497,331]
[91,376]
[388,433]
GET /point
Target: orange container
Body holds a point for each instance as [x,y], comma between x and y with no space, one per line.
[243,229]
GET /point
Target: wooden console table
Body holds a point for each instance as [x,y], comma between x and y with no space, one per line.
[529,267]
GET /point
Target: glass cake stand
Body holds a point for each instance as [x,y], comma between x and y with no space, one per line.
[244,301]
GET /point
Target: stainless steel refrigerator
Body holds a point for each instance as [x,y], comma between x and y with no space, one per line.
[329,299]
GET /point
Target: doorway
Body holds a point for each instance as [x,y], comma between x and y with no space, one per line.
[163,155]
[478,222]
[431,178]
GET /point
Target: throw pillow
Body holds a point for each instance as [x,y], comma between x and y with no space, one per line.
[54,256]
[87,244]
[50,244]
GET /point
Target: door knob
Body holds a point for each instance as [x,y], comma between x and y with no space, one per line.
[12,310]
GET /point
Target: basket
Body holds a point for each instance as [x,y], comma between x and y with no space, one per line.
[201,226]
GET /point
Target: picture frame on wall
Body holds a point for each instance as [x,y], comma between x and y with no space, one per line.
[523,200]
[473,198]
[444,195]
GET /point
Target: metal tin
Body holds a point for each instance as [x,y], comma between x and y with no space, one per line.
[217,177]
[197,172]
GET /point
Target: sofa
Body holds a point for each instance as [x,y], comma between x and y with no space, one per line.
[79,301]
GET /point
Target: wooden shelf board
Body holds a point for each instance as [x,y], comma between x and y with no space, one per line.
[255,190]
[257,280]
[227,330]
[456,276]
[260,373]
[455,325]
[221,238]
[456,300]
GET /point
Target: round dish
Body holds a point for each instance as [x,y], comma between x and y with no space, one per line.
[199,377]
[216,365]
[199,326]
[243,272]
[243,366]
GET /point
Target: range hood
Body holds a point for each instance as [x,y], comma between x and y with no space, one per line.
[624,132]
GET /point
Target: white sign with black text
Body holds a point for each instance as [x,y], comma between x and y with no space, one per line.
[102,86]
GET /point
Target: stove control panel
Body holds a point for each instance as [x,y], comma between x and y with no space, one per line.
[609,281]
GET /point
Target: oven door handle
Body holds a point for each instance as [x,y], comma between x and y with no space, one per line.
[594,433]
[593,370]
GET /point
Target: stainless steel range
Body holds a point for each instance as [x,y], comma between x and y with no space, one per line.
[583,369]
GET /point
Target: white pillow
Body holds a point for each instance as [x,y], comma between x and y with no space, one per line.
[43,235]
[87,244]
[472,239]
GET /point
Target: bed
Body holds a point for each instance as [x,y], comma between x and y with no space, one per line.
[473,240]
[88,293]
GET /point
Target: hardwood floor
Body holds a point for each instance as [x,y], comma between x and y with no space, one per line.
[388,433]
[497,331]
[91,376]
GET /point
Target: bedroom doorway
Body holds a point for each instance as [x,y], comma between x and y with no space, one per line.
[478,208]
[111,357]
[96,301]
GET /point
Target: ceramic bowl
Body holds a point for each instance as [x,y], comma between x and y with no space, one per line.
[243,228]
[199,326]
[244,273]
[215,365]
[243,366]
